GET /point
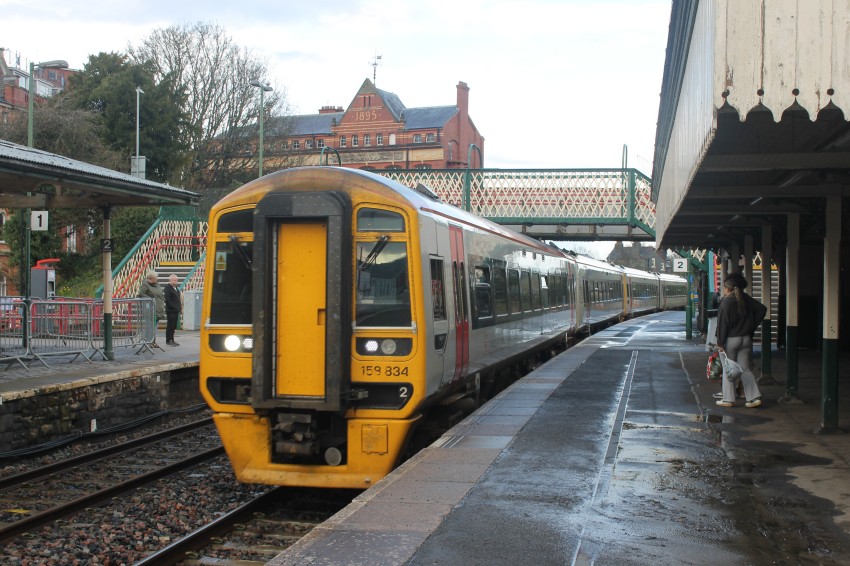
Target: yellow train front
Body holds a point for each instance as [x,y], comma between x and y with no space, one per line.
[337,311]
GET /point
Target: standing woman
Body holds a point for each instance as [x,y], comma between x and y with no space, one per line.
[737,319]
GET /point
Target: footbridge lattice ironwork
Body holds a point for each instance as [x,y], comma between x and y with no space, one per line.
[555,204]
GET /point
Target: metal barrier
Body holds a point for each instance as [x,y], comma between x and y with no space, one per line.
[62,327]
[132,324]
[59,327]
[13,342]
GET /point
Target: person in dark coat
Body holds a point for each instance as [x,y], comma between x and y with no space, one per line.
[173,308]
[738,317]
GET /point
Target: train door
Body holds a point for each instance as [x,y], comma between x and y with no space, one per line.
[461,307]
[301,305]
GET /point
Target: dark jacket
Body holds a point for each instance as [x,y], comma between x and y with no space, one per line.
[731,323]
[172,299]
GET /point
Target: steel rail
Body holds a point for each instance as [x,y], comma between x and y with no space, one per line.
[49,515]
[25,477]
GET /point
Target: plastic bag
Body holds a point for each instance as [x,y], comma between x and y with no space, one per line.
[714,369]
[731,370]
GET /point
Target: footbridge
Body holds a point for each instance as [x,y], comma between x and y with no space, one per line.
[555,204]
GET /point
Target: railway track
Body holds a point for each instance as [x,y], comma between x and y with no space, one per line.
[44,495]
[256,531]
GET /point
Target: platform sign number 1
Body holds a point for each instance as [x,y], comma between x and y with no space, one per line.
[38,221]
[680,265]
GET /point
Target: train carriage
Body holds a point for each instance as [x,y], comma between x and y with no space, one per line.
[342,308]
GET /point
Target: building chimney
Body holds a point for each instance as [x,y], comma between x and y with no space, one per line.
[462,99]
[330,109]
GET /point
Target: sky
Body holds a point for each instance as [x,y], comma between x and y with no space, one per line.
[553,83]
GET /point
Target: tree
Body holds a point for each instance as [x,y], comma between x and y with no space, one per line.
[222,107]
[107,85]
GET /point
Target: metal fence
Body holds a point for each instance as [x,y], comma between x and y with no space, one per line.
[37,329]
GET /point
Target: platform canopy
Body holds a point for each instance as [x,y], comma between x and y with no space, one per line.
[30,178]
[753,122]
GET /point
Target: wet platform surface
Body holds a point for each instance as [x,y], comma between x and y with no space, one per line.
[613,453]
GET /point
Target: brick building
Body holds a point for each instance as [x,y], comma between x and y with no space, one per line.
[377,131]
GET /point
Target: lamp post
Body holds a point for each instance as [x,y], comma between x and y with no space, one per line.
[138,92]
[263,89]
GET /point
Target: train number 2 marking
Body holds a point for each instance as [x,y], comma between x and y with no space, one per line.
[385,371]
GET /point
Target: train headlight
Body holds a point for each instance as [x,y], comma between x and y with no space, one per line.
[388,347]
[370,346]
[384,346]
[233,343]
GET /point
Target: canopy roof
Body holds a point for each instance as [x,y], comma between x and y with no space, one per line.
[55,182]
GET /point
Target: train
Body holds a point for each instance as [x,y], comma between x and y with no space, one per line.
[342,308]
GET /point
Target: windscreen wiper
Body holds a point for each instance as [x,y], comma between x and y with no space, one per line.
[373,255]
[241,252]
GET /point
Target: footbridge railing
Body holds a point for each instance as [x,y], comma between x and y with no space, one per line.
[548,203]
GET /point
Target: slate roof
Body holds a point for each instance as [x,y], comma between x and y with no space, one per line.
[20,166]
[431,117]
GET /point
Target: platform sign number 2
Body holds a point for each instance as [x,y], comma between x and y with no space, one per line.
[680,265]
[38,221]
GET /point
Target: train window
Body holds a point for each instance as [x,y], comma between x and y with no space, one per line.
[377,220]
[483,302]
[230,302]
[438,293]
[535,291]
[554,283]
[383,292]
[513,291]
[239,221]
[525,290]
[500,288]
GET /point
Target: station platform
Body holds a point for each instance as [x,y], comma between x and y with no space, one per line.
[613,453]
[70,371]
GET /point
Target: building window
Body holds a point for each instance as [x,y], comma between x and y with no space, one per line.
[342,141]
[429,138]
[308,144]
[393,167]
[423,166]
[379,139]
[71,242]
[367,140]
[3,289]
[417,138]
[296,144]
[2,223]
[355,141]
[392,139]
[320,144]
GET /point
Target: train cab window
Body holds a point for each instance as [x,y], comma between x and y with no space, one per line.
[500,290]
[438,292]
[232,283]
[377,220]
[239,221]
[513,291]
[525,290]
[483,302]
[383,290]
